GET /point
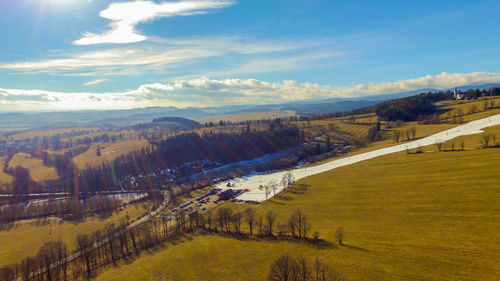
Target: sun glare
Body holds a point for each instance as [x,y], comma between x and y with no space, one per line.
[63,3]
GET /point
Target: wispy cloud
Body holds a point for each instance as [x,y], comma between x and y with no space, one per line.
[167,54]
[95,82]
[125,16]
[211,92]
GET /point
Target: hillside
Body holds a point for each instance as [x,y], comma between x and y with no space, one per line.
[426,217]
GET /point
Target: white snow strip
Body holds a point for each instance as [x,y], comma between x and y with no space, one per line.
[252,183]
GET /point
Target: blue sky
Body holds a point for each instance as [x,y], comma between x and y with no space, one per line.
[81,54]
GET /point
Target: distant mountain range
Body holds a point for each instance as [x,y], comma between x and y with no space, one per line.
[18,121]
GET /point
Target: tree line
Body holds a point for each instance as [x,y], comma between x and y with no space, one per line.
[288,268]
[113,243]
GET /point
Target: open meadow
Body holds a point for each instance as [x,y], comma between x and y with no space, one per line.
[109,152]
[430,216]
[23,239]
[37,170]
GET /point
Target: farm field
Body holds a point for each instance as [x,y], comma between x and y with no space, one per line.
[4,178]
[426,217]
[19,241]
[38,171]
[47,133]
[109,152]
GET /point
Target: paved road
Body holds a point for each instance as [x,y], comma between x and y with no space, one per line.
[103,242]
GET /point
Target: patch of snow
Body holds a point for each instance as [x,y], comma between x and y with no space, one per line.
[253,182]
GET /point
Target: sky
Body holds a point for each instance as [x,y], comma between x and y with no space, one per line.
[99,54]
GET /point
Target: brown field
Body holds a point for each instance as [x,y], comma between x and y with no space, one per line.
[23,239]
[109,152]
[32,134]
[4,178]
[406,217]
[38,171]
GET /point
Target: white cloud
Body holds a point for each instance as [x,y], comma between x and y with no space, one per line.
[95,82]
[126,15]
[168,54]
[209,92]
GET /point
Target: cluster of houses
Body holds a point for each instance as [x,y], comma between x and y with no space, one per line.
[10,145]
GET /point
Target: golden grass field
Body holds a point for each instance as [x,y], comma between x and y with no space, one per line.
[109,151]
[430,216]
[32,134]
[24,239]
[4,178]
[472,141]
[38,171]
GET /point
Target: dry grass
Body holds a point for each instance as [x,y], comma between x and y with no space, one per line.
[109,152]
[406,217]
[38,171]
[4,178]
[24,239]
[48,133]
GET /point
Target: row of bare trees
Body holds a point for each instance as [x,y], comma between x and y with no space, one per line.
[105,246]
[60,207]
[410,133]
[225,220]
[485,140]
[115,242]
[51,256]
[288,268]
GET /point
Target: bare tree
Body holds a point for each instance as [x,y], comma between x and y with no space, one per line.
[484,139]
[460,115]
[83,243]
[339,234]
[413,131]
[236,220]
[250,219]
[298,224]
[27,266]
[440,146]
[408,134]
[225,216]
[281,269]
[287,268]
[462,145]
[270,221]
[62,258]
[396,135]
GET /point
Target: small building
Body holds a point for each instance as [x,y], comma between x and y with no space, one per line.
[458,95]
[226,194]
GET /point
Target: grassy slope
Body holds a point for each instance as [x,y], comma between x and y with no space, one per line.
[35,166]
[47,133]
[4,178]
[24,239]
[407,217]
[108,152]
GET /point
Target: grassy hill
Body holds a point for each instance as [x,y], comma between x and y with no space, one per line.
[23,239]
[38,171]
[407,217]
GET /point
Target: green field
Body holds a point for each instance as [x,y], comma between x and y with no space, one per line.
[407,217]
